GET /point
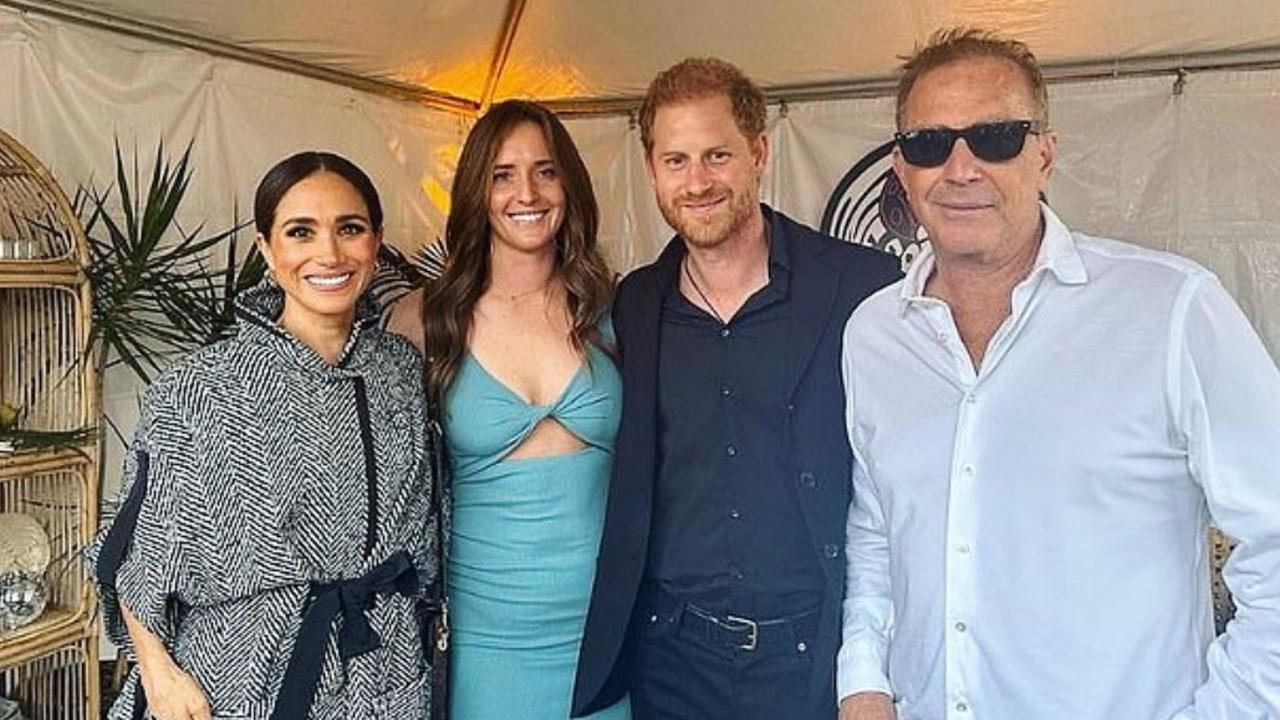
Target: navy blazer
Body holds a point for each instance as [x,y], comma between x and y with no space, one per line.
[829,279]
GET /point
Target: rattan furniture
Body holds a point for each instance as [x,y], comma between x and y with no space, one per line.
[50,667]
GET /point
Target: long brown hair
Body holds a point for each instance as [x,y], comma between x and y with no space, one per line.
[449,302]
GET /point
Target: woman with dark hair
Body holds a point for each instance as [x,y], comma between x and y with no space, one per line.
[522,375]
[277,480]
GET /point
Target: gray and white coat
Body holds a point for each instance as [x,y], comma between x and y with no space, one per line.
[259,477]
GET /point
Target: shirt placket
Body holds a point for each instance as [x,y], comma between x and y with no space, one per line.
[961,580]
[733,457]
[962,512]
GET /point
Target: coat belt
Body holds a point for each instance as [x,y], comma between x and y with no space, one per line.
[352,598]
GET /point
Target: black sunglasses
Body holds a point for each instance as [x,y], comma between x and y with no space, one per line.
[992,142]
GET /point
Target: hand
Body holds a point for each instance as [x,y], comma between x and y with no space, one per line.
[867,706]
[172,694]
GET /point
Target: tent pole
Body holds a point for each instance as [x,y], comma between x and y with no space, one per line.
[515,8]
[155,33]
[1252,59]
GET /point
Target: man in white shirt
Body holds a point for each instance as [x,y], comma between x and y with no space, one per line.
[1043,424]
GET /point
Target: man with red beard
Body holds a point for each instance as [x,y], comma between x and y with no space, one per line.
[721,569]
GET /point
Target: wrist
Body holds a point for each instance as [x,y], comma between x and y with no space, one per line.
[153,662]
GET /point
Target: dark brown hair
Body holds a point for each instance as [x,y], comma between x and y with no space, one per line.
[450,301]
[949,45]
[698,78]
[296,168]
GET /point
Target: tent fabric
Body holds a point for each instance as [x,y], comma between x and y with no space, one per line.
[73,93]
[1191,167]
[1194,172]
[584,48]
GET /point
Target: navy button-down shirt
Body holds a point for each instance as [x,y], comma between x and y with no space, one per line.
[728,532]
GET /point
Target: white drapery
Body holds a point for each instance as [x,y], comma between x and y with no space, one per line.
[1192,166]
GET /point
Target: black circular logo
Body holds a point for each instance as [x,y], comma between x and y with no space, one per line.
[869,207]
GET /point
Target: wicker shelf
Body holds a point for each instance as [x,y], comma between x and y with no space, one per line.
[26,461]
[57,492]
[31,641]
[47,373]
[34,228]
[53,272]
[61,683]
[43,371]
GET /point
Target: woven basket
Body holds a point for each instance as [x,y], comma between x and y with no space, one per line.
[62,684]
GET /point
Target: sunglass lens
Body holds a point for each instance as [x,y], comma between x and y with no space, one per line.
[927,148]
[997,142]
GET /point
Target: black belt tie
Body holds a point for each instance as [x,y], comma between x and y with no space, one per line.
[356,637]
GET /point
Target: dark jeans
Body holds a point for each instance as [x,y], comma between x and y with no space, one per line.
[680,671]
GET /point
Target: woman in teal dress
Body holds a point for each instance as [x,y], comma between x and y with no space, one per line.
[521,362]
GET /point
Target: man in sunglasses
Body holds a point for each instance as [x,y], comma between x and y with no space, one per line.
[1043,424]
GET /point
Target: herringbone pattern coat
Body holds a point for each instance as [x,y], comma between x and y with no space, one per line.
[257,472]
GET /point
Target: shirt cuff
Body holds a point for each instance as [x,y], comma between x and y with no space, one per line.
[860,668]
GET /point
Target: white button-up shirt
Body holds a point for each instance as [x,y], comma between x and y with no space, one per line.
[1027,540]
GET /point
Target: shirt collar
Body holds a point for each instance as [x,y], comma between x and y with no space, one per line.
[775,234]
[1058,255]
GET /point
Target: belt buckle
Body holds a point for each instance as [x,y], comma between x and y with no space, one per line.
[735,622]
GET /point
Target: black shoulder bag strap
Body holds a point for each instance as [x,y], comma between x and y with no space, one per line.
[437,599]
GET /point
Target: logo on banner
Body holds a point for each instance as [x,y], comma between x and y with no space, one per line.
[869,207]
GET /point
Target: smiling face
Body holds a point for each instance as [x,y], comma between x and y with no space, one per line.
[705,171]
[976,211]
[526,196]
[322,251]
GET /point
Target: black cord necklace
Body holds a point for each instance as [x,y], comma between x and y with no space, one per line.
[689,274]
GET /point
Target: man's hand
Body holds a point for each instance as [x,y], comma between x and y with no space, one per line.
[867,706]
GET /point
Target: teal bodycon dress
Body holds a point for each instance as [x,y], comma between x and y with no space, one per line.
[525,537]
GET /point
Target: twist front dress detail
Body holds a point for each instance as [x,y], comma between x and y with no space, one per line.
[526,533]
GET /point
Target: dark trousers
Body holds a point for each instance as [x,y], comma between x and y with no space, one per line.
[686,667]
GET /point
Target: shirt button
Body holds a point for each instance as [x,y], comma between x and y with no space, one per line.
[961,627]
[807,479]
[735,514]
[724,332]
[725,391]
[791,407]
[967,470]
[971,397]
[963,549]
[962,706]
[653,619]
[831,551]
[942,337]
[731,451]
[802,647]
[737,574]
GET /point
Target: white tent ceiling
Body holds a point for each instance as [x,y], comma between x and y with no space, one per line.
[601,53]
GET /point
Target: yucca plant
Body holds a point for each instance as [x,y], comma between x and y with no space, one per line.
[156,294]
